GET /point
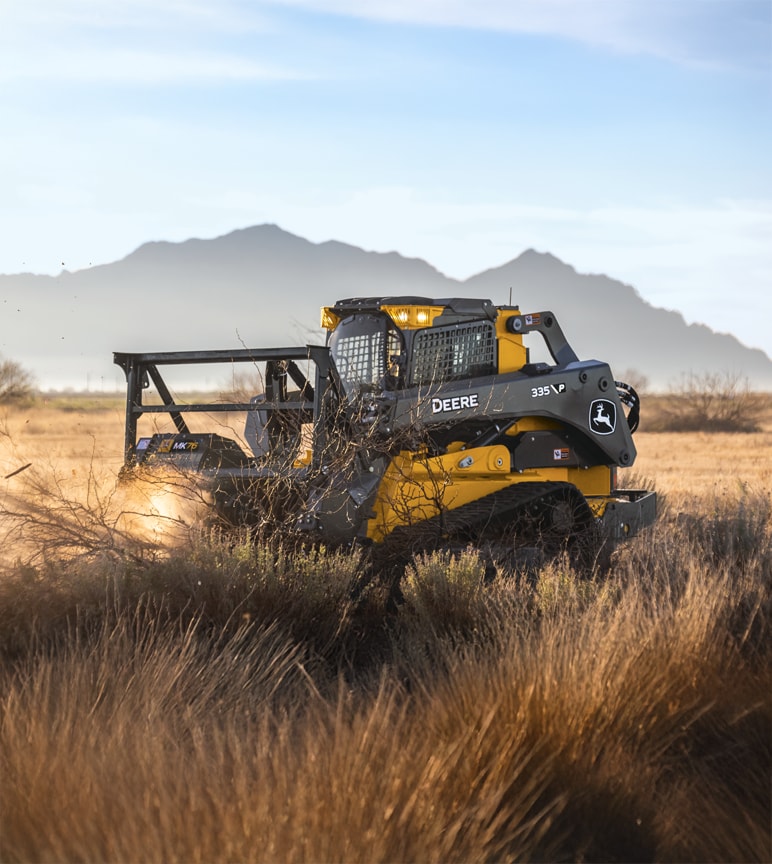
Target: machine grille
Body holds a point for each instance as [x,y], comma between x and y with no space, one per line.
[460,351]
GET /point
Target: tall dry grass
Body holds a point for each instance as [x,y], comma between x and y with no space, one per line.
[167,694]
[226,701]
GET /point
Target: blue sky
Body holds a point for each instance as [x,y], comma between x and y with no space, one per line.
[629,137]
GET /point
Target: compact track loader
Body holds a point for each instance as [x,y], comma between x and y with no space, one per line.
[420,424]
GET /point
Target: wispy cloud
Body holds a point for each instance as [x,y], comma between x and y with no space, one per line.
[142,40]
[136,41]
[127,65]
[184,15]
[712,32]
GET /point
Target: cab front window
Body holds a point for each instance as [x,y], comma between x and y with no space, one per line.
[367,350]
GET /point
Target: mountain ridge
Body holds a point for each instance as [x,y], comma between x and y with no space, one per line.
[263,286]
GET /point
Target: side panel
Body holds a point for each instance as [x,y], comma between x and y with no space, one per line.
[581,396]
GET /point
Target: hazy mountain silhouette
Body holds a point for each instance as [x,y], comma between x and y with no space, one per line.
[609,320]
[262,286]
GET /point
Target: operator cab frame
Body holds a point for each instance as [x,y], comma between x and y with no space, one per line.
[395,343]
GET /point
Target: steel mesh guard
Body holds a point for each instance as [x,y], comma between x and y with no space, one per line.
[362,358]
[444,353]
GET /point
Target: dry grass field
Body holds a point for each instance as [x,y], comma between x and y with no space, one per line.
[707,463]
[206,701]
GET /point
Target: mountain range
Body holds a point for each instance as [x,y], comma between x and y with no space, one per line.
[263,287]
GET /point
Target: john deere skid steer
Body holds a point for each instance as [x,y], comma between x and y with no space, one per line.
[420,424]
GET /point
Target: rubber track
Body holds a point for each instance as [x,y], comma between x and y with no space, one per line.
[492,518]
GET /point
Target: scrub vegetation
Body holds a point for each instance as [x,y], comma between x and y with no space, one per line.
[710,403]
[17,384]
[170,694]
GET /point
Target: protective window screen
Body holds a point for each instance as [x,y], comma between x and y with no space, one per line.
[460,351]
[360,358]
[364,348]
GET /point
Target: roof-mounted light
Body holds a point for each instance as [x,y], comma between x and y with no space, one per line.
[412,317]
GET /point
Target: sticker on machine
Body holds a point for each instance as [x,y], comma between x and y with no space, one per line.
[603,417]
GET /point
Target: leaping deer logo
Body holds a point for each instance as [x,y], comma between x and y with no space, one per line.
[602,417]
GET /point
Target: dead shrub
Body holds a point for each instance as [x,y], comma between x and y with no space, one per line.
[17,384]
[711,402]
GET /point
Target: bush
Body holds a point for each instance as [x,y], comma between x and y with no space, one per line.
[16,382]
[712,402]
